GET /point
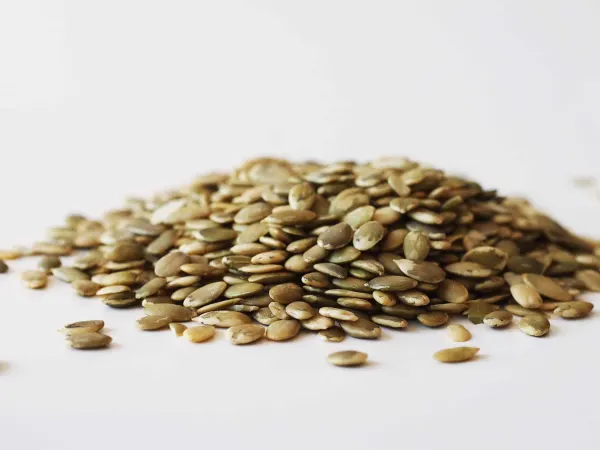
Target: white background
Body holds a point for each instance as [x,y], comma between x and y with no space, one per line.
[99,100]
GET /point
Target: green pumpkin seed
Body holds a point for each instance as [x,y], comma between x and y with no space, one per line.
[433,319]
[368,235]
[286,293]
[89,340]
[489,257]
[426,272]
[498,319]
[458,333]
[200,333]
[223,319]
[177,328]
[338,314]
[348,358]
[333,334]
[389,321]
[83,326]
[34,279]
[534,325]
[335,237]
[318,322]
[154,322]
[244,334]
[283,330]
[456,354]
[590,278]
[574,310]
[469,269]
[361,329]
[177,313]
[547,287]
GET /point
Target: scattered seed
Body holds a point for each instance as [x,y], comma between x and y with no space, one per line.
[34,279]
[456,354]
[458,333]
[89,340]
[498,319]
[244,334]
[83,326]
[534,325]
[574,310]
[348,358]
[177,328]
[199,333]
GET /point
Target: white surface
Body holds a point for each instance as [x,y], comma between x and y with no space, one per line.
[99,100]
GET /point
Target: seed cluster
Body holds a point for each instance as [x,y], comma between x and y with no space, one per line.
[339,249]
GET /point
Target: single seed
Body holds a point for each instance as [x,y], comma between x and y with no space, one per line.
[368,235]
[83,326]
[205,295]
[46,264]
[426,272]
[170,264]
[154,322]
[223,319]
[547,287]
[526,296]
[416,246]
[590,278]
[283,330]
[458,333]
[333,334]
[338,314]
[318,322]
[199,333]
[69,274]
[433,319]
[85,288]
[34,279]
[389,321]
[89,340]
[279,310]
[361,329]
[534,325]
[456,354]
[574,310]
[498,319]
[177,313]
[348,358]
[300,310]
[244,334]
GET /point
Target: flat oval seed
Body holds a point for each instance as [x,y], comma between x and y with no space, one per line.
[314,254]
[498,319]
[416,246]
[46,263]
[244,334]
[574,310]
[384,298]
[490,257]
[278,310]
[333,334]
[243,290]
[69,274]
[361,329]
[89,340]
[170,264]
[469,270]
[526,296]
[348,358]
[302,196]
[291,217]
[34,279]
[413,298]
[177,328]
[458,333]
[547,287]
[433,319]
[264,316]
[271,257]
[590,278]
[283,330]
[154,322]
[456,354]
[205,295]
[199,333]
[300,310]
[331,269]
[85,288]
[338,314]
[335,237]
[318,322]
[359,216]
[216,234]
[426,272]
[368,235]
[177,313]
[534,325]
[83,326]
[453,292]
[389,321]
[223,319]
[151,288]
[392,283]
[253,213]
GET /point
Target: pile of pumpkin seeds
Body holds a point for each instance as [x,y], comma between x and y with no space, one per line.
[274,248]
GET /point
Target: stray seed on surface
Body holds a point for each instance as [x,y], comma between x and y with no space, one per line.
[574,310]
[458,333]
[83,326]
[34,279]
[534,325]
[456,354]
[89,340]
[348,358]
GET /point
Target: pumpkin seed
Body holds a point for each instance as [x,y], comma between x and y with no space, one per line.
[384,298]
[458,333]
[85,288]
[286,293]
[590,278]
[392,283]
[243,290]
[389,321]
[333,334]
[245,334]
[368,235]
[318,322]
[200,333]
[574,310]
[34,279]
[489,257]
[361,329]
[526,296]
[478,310]
[456,354]
[416,246]
[83,326]
[89,340]
[177,313]
[223,319]
[154,322]
[348,358]
[283,330]
[205,295]
[46,264]
[547,287]
[69,274]
[498,319]
[170,264]
[469,269]
[426,272]
[300,310]
[452,292]
[264,316]
[433,319]
[335,237]
[338,314]
[534,325]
